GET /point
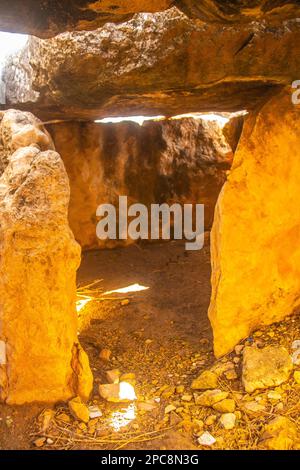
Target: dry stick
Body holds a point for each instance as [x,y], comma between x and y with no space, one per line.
[90,284]
[90,440]
[111,298]
[161,433]
[102,299]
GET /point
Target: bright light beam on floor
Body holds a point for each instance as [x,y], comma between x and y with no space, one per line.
[120,419]
[126,290]
[80,304]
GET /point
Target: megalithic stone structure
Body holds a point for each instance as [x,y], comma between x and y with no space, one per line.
[255,242]
[40,356]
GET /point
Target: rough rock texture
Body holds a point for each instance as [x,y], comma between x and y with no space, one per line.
[182,161]
[38,261]
[264,368]
[239,10]
[255,236]
[207,380]
[279,434]
[154,64]
[48,18]
[233,130]
[210,397]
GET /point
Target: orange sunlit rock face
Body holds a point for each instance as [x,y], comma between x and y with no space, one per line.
[256,232]
[41,358]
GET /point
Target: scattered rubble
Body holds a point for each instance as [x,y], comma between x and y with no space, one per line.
[206,439]
[206,415]
[79,410]
[169,408]
[279,434]
[45,418]
[272,395]
[210,397]
[297,376]
[228,420]
[225,406]
[254,408]
[113,376]
[39,442]
[94,412]
[206,381]
[296,357]
[105,354]
[117,393]
[296,344]
[264,368]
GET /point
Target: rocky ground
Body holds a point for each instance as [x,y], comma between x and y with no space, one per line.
[161,339]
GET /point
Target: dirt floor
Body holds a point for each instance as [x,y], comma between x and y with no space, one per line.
[163,337]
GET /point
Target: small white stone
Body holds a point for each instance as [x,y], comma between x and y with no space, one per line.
[296,344]
[274,395]
[227,420]
[296,357]
[206,439]
[94,412]
[169,408]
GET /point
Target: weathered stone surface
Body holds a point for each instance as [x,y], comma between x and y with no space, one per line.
[117,393]
[113,376]
[79,410]
[225,406]
[38,262]
[206,380]
[233,130]
[154,64]
[228,420]
[279,434]
[43,20]
[255,238]
[239,10]
[297,377]
[206,439]
[252,408]
[267,367]
[210,397]
[182,161]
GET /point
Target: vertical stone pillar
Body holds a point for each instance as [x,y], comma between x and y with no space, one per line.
[40,356]
[255,242]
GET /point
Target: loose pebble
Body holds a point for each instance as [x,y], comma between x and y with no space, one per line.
[206,439]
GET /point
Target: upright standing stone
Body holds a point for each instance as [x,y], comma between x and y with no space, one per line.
[255,238]
[38,262]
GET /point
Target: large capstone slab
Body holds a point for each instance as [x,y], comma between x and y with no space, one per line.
[155,64]
[44,20]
